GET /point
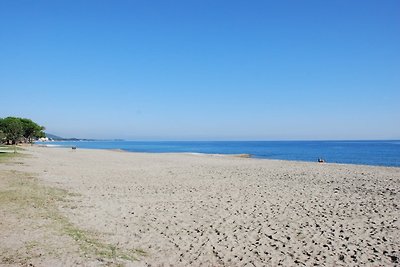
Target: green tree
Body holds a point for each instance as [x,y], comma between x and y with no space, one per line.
[31,130]
[13,129]
[2,136]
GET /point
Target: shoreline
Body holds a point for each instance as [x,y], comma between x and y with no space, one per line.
[244,155]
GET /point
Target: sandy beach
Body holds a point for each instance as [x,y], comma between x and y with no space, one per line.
[60,207]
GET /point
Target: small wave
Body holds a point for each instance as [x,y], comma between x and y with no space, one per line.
[48,145]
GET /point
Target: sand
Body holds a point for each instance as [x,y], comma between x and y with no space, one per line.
[197,210]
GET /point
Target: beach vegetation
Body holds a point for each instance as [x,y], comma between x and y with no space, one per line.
[2,135]
[14,130]
[5,155]
[32,130]
[23,195]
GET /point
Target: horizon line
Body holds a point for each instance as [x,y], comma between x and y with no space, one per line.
[226,140]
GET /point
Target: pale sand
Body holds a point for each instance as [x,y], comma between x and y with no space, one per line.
[205,210]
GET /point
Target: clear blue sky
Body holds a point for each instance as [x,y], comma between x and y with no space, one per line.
[203,70]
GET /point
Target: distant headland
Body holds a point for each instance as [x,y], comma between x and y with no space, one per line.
[52,137]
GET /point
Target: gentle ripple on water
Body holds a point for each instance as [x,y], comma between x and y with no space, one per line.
[383,153]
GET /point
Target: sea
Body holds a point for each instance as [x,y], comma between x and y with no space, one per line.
[378,153]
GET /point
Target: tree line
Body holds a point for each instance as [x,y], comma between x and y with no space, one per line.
[15,130]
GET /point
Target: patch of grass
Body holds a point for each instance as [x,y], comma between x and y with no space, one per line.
[92,246]
[32,244]
[24,192]
[6,155]
[10,148]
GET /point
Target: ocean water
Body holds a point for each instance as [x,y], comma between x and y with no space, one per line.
[381,153]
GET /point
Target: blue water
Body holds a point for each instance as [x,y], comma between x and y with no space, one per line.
[383,153]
